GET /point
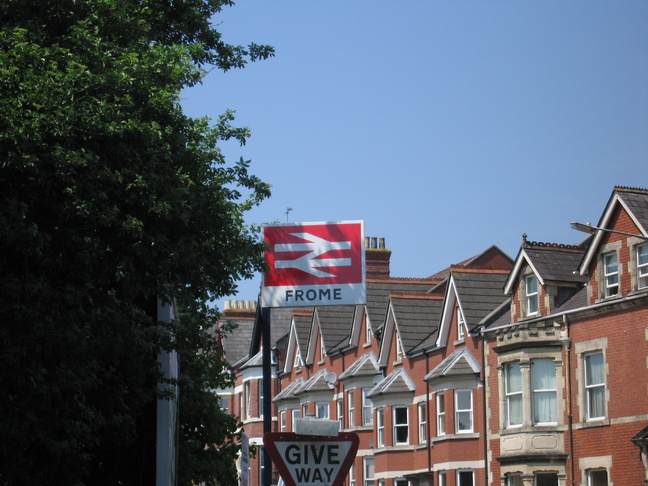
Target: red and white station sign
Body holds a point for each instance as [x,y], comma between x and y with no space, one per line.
[312,264]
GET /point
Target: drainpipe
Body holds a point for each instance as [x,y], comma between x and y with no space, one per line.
[427,413]
[570,418]
[484,409]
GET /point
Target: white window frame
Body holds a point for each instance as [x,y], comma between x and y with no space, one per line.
[247,396]
[463,411]
[399,347]
[398,426]
[443,480]
[367,408]
[380,427]
[322,410]
[532,295]
[401,482]
[513,396]
[594,390]
[422,421]
[282,420]
[538,391]
[461,323]
[514,479]
[368,471]
[296,414]
[440,413]
[642,266]
[538,474]
[352,479]
[340,413]
[297,362]
[260,398]
[368,333]
[590,476]
[611,274]
[351,407]
[460,472]
[322,349]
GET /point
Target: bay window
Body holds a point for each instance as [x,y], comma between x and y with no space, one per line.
[401,426]
[367,408]
[380,426]
[543,388]
[440,405]
[463,411]
[642,266]
[513,392]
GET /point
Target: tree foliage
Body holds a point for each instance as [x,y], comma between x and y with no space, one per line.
[111,197]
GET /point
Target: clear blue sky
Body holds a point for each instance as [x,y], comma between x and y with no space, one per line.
[447,126]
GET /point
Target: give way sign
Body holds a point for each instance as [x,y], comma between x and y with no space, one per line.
[315,460]
[313,264]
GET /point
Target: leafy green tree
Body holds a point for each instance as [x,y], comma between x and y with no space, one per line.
[111,197]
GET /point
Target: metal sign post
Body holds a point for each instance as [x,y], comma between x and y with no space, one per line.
[309,264]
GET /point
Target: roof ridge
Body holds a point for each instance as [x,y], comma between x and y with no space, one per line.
[630,189]
[479,269]
[405,279]
[303,313]
[551,246]
[416,295]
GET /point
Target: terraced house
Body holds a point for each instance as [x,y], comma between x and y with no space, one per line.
[494,371]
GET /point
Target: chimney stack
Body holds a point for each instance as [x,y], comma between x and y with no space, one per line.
[377,258]
[237,309]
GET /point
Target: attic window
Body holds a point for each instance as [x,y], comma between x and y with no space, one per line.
[531,284]
[460,324]
[611,274]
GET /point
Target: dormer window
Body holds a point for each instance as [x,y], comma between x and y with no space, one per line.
[642,266]
[611,274]
[531,284]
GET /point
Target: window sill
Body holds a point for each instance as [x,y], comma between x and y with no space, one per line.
[526,429]
[590,424]
[441,438]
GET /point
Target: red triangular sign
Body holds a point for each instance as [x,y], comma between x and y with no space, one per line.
[317,460]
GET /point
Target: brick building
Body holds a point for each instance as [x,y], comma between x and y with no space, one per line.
[493,371]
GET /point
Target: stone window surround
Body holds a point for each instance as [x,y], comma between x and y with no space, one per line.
[581,349]
[524,357]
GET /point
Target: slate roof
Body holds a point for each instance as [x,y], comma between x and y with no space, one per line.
[554,262]
[460,363]
[636,200]
[398,381]
[417,316]
[280,319]
[336,322]
[365,365]
[288,393]
[320,381]
[378,295]
[303,321]
[480,293]
[236,344]
[256,360]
